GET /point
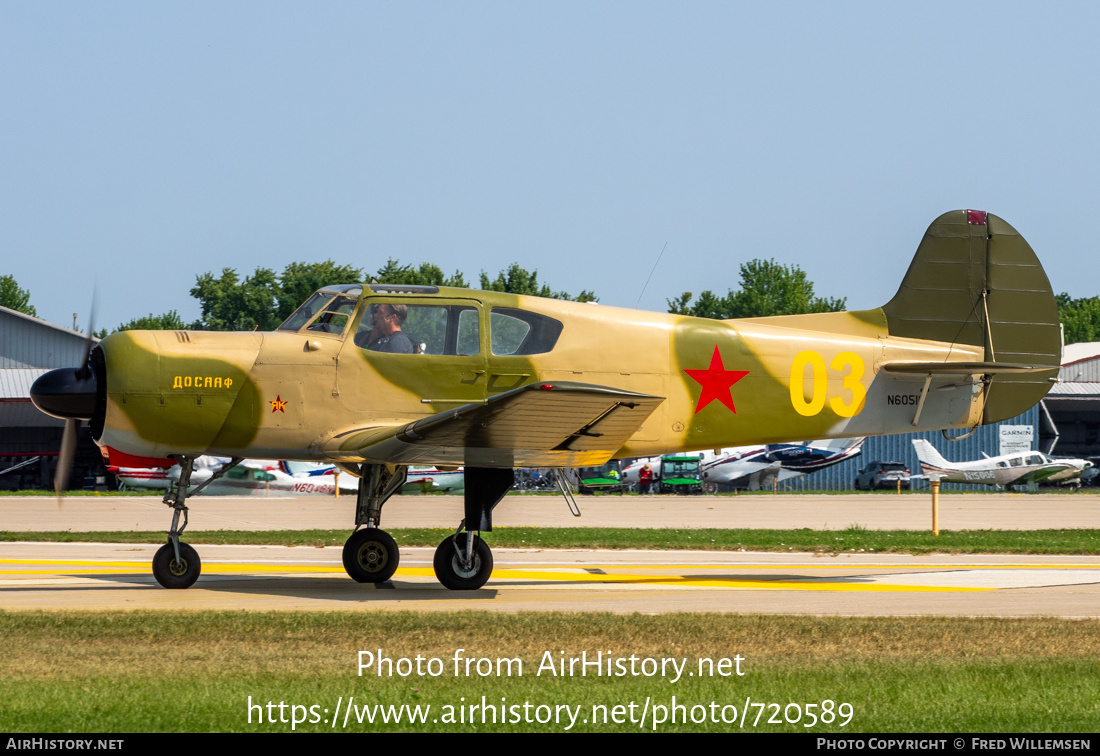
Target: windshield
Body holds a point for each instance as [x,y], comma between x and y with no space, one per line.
[680,468]
[323,312]
[305,313]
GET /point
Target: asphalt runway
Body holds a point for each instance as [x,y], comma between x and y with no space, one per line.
[54,576]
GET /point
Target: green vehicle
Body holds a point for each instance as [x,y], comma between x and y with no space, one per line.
[605,478]
[680,475]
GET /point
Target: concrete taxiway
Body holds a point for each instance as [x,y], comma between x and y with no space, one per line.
[117,576]
[882,511]
[51,576]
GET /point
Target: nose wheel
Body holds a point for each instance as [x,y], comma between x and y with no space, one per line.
[460,568]
[171,572]
[371,556]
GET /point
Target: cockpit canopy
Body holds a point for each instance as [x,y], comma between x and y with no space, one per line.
[446,326]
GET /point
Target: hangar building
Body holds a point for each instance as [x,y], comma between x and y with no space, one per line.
[29,440]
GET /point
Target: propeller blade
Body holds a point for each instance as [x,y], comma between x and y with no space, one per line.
[72,425]
[90,340]
[65,458]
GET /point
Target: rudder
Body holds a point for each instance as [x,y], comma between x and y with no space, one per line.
[974,280]
[928,454]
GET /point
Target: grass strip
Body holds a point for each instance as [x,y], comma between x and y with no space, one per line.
[855,538]
[196,671]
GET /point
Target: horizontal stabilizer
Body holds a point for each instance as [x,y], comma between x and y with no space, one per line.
[962,368]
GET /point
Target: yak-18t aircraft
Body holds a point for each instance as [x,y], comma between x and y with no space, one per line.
[375,378]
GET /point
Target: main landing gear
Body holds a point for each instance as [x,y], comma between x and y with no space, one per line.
[176,564]
[371,554]
[463,562]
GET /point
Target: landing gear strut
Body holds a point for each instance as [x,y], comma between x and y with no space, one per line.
[371,555]
[463,562]
[176,564]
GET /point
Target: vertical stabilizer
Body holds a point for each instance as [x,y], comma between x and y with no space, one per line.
[927,454]
[976,281]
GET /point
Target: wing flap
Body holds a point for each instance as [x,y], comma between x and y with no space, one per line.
[538,425]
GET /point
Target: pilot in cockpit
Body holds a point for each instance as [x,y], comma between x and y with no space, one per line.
[385,332]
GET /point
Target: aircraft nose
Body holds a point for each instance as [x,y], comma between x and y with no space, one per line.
[68,393]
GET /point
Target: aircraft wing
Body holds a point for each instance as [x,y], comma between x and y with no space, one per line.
[749,474]
[1039,475]
[558,424]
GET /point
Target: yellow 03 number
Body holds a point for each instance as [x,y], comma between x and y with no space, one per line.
[817,394]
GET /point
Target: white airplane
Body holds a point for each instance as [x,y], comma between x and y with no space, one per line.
[256,477]
[756,467]
[1017,469]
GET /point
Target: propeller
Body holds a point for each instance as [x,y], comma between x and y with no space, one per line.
[70,394]
[65,458]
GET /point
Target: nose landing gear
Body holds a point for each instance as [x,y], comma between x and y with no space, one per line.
[176,572]
[176,564]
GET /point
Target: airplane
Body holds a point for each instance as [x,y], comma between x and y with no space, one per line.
[755,467]
[263,476]
[421,478]
[250,476]
[1021,468]
[374,378]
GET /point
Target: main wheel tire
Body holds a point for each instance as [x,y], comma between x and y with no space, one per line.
[172,574]
[449,569]
[371,556]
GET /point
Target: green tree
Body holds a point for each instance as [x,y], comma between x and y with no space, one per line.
[15,297]
[1080,318]
[767,288]
[264,299]
[426,274]
[230,304]
[169,321]
[517,280]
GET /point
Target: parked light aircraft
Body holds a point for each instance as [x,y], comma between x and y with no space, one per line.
[255,476]
[494,381]
[757,467]
[1017,469]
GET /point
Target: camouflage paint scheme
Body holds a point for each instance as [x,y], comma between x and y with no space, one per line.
[963,357]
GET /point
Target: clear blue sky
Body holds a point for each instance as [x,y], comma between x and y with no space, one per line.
[144,143]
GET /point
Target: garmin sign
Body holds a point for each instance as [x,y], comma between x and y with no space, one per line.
[1016,438]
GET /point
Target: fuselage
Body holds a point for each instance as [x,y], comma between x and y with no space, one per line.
[289,394]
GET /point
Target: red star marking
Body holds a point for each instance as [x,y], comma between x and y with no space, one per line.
[278,404]
[716,382]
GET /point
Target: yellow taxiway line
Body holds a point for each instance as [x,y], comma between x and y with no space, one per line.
[558,574]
